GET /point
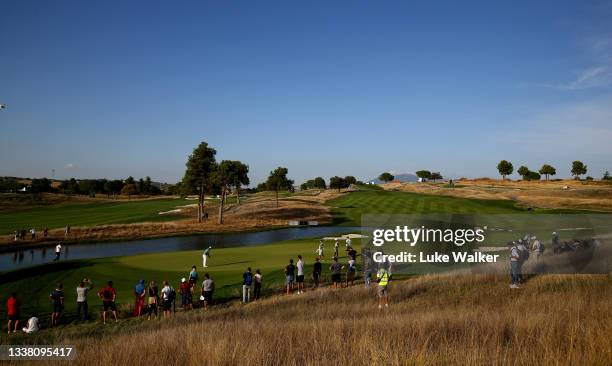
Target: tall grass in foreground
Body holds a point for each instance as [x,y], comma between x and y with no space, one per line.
[466,319]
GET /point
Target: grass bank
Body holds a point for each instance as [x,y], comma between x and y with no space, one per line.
[432,320]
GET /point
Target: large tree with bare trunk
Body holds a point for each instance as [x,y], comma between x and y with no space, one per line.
[230,174]
[200,166]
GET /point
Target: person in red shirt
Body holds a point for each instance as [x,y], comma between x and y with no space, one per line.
[108,296]
[12,311]
[185,290]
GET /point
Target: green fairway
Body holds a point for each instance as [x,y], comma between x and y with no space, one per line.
[349,208]
[226,266]
[76,214]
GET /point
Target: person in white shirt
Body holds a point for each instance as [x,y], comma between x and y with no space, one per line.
[33,325]
[300,275]
[537,248]
[515,265]
[167,299]
[348,243]
[205,256]
[336,246]
[320,249]
[58,251]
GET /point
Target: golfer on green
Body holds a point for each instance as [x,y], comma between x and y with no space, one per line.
[383,280]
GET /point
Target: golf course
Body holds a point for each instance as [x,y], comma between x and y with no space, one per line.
[86,214]
[227,264]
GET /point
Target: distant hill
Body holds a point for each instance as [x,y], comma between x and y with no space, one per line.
[406,177]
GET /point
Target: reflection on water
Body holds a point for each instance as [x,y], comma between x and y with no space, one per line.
[15,260]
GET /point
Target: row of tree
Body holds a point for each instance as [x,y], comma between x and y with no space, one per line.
[506,168]
[91,187]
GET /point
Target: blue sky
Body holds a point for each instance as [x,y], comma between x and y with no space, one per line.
[111,89]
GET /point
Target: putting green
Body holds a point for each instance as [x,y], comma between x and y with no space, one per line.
[226,266]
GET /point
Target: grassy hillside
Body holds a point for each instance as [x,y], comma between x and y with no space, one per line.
[78,214]
[432,320]
[349,208]
[225,267]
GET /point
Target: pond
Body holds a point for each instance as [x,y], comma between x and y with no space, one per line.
[29,257]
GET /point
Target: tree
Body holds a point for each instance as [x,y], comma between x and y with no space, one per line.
[277,181]
[348,180]
[140,186]
[505,168]
[230,173]
[435,176]
[307,185]
[423,174]
[385,177]
[41,185]
[112,187]
[89,187]
[532,176]
[129,190]
[320,183]
[606,176]
[547,170]
[240,177]
[69,186]
[578,169]
[523,171]
[200,165]
[337,182]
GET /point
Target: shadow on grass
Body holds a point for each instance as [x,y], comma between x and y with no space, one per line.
[44,269]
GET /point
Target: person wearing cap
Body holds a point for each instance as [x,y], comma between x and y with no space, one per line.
[205,256]
[555,242]
[515,265]
[185,291]
[139,294]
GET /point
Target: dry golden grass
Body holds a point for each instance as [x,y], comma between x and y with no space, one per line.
[432,320]
[580,195]
[253,214]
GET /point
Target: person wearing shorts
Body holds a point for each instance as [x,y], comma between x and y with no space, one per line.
[153,299]
[289,276]
[208,287]
[383,281]
[57,299]
[167,298]
[300,275]
[108,296]
[12,312]
[335,269]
